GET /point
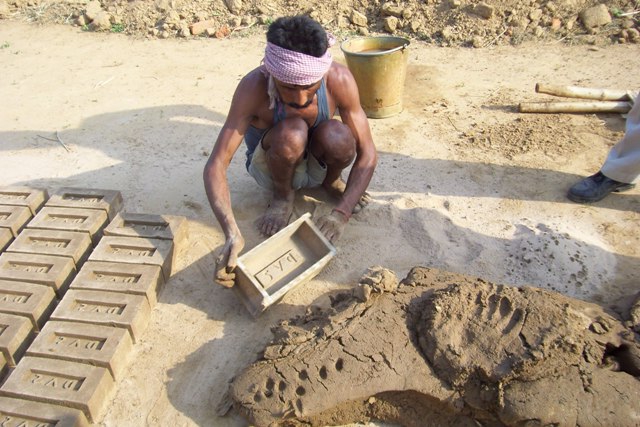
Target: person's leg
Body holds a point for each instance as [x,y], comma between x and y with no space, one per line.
[284,146]
[333,144]
[619,171]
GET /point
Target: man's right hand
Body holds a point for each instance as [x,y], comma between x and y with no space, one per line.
[227,259]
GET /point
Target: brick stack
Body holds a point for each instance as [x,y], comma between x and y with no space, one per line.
[78,281]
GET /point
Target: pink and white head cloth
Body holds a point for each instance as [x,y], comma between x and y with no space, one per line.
[296,68]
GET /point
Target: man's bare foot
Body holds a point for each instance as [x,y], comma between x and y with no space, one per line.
[276,216]
[336,189]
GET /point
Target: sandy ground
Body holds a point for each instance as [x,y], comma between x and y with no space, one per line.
[141,117]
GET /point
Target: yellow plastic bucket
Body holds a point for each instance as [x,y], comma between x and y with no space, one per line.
[379,65]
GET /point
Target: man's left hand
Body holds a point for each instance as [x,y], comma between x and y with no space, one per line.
[332,225]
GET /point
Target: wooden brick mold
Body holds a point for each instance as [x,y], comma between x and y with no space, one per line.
[25,413]
[33,198]
[109,201]
[130,312]
[166,227]
[14,218]
[137,279]
[34,302]
[56,272]
[292,256]
[90,221]
[103,346]
[5,238]
[15,336]
[76,385]
[136,250]
[72,244]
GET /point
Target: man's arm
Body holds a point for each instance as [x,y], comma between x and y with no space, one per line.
[345,91]
[215,175]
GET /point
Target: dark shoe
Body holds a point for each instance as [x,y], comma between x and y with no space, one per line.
[596,187]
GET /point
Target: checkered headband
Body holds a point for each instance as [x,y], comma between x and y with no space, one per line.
[295,68]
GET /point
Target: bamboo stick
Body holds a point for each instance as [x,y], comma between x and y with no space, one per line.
[575,107]
[583,92]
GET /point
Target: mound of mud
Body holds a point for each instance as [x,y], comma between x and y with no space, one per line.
[444,349]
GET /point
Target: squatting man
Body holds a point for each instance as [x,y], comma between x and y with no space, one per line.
[283,111]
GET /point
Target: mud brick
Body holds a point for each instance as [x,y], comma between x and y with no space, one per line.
[4,370]
[54,271]
[33,198]
[14,218]
[166,227]
[20,412]
[104,346]
[5,238]
[136,250]
[90,221]
[76,385]
[109,201]
[130,312]
[73,244]
[138,279]
[15,336]
[35,302]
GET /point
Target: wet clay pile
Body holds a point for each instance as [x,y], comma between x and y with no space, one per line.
[443,349]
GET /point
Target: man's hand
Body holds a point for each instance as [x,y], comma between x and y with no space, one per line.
[226,262]
[332,225]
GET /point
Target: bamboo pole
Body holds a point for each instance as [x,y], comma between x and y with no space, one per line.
[583,92]
[575,107]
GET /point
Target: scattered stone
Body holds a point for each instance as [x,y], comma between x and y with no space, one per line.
[389,9]
[448,33]
[200,27]
[556,24]
[390,24]
[163,5]
[484,10]
[628,23]
[92,10]
[183,30]
[234,6]
[358,18]
[222,32]
[535,15]
[595,16]
[477,42]
[101,22]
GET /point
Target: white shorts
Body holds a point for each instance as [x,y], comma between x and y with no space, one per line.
[309,173]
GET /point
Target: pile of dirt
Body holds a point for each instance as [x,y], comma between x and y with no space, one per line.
[442,349]
[441,22]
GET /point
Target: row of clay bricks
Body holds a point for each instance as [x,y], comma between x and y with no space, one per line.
[84,324]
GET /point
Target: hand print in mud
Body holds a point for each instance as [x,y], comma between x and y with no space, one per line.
[445,350]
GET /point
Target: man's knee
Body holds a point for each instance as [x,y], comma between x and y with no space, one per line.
[333,142]
[287,140]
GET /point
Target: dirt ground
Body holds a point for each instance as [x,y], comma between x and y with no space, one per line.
[464,182]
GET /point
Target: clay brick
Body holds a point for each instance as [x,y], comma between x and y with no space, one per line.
[4,370]
[137,279]
[130,312]
[35,302]
[15,336]
[5,238]
[104,346]
[136,250]
[90,221]
[54,271]
[20,412]
[76,385]
[73,244]
[109,201]
[14,218]
[166,227]
[33,198]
